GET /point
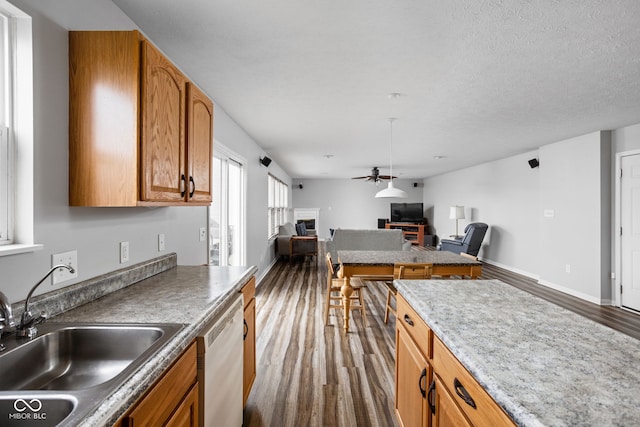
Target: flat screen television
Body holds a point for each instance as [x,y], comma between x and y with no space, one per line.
[407,212]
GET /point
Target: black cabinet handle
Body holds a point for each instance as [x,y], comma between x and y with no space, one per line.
[183,185]
[423,376]
[246,330]
[192,186]
[431,397]
[408,320]
[463,393]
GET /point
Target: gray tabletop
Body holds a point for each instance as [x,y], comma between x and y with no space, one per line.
[392,257]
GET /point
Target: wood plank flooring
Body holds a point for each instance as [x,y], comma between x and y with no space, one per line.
[309,374]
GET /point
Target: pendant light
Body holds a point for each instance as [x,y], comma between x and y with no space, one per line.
[391,191]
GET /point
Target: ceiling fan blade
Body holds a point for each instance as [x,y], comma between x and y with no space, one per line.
[362,177]
[386,177]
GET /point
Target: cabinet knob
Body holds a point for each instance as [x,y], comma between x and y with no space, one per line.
[431,397]
[183,185]
[246,330]
[408,320]
[192,187]
[463,393]
[423,377]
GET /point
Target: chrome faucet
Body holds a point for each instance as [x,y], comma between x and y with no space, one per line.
[7,324]
[27,327]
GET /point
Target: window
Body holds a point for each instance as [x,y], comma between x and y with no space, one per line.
[6,158]
[227,212]
[16,132]
[278,204]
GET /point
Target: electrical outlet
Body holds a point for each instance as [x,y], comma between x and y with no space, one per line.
[124,252]
[567,268]
[62,274]
[203,234]
[160,242]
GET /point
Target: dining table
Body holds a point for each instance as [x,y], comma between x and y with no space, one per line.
[380,263]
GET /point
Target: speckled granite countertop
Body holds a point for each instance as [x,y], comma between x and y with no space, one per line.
[546,366]
[190,295]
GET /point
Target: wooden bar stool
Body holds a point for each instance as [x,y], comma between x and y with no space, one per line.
[334,294]
[406,271]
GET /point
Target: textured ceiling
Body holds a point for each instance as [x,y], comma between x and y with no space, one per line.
[480,79]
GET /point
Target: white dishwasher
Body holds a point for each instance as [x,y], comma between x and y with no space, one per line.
[220,364]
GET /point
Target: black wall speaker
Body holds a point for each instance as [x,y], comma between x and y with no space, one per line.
[300,186]
[534,163]
[415,184]
[265,161]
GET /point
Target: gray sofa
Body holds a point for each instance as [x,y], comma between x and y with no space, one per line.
[285,232]
[367,240]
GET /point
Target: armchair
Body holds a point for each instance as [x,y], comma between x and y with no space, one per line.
[292,241]
[469,243]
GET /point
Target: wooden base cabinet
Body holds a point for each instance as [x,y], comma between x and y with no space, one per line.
[445,411]
[173,400]
[249,351]
[412,378]
[140,133]
[453,398]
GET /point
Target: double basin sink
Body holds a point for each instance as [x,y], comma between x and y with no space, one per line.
[64,374]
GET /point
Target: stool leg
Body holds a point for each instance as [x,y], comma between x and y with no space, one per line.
[364,312]
[386,309]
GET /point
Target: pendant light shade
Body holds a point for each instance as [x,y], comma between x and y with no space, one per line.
[391,191]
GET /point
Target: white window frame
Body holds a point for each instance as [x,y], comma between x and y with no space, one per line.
[18,119]
[277,204]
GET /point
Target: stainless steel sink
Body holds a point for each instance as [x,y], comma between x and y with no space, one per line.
[70,368]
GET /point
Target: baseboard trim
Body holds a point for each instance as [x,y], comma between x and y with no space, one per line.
[266,271]
[573,292]
[511,269]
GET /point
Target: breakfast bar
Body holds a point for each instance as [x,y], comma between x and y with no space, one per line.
[542,364]
[381,263]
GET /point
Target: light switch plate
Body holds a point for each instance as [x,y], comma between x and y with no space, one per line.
[203,234]
[160,242]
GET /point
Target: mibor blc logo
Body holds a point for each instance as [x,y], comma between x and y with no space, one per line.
[28,410]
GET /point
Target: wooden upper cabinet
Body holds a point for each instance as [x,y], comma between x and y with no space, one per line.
[200,145]
[140,134]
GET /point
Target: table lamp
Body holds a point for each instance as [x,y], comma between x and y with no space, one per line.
[456,212]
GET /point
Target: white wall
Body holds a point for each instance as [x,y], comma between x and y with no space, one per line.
[347,203]
[572,241]
[96,232]
[504,195]
[573,180]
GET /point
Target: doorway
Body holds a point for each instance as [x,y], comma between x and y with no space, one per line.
[227,211]
[629,232]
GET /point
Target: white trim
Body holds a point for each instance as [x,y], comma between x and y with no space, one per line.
[575,293]
[19,249]
[617,241]
[512,269]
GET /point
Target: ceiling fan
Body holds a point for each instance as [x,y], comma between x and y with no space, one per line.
[375,176]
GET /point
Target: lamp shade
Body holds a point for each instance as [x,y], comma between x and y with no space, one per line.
[391,191]
[456,212]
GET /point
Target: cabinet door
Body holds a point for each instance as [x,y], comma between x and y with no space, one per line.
[163,163]
[249,370]
[447,412]
[412,379]
[199,145]
[187,413]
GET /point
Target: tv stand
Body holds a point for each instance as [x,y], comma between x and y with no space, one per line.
[412,232]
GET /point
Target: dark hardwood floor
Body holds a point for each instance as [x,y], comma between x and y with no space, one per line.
[309,374]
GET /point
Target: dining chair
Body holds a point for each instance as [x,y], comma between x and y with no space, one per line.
[334,293]
[405,271]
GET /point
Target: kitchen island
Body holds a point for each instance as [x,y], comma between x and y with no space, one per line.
[157,291]
[543,365]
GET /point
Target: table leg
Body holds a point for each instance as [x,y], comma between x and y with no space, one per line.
[346,291]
